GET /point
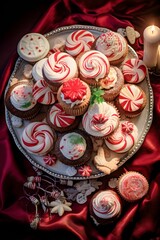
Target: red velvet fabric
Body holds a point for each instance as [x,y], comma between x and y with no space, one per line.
[140,220]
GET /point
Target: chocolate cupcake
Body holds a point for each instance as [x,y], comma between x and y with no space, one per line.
[105,207]
[20,102]
[74,148]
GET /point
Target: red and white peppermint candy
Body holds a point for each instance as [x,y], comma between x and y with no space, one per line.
[37,138]
[94,64]
[131,97]
[60,67]
[59,118]
[85,170]
[42,93]
[134,70]
[78,42]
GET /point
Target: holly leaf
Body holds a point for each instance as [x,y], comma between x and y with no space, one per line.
[96,95]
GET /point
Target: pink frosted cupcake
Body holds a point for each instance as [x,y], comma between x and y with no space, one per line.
[59,120]
[105,207]
[74,96]
[38,138]
[42,93]
[79,41]
[134,70]
[132,186]
[58,68]
[124,138]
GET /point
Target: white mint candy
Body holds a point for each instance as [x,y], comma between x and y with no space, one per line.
[81,198]
[16,121]
[71,171]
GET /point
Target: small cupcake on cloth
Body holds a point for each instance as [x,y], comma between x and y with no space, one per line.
[105,207]
[59,68]
[93,66]
[74,96]
[43,93]
[132,186]
[74,148]
[20,102]
[131,100]
[38,138]
[79,41]
[112,84]
[124,138]
[59,120]
[33,46]
[134,70]
[113,45]
[101,118]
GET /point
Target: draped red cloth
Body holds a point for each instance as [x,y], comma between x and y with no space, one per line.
[139,220]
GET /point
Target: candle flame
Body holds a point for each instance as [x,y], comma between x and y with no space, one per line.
[152,28]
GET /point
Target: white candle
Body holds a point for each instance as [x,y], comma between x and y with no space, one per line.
[151,41]
[158,59]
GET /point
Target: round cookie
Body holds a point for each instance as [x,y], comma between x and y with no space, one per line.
[132,186]
[33,47]
[134,70]
[79,41]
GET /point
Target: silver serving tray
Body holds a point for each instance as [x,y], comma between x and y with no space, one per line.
[143,122]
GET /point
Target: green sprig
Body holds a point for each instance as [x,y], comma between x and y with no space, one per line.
[96,95]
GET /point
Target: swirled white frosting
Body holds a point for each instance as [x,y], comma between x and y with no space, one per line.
[22,97]
[37,138]
[37,69]
[112,45]
[60,67]
[73,145]
[125,136]
[79,41]
[106,205]
[94,64]
[100,119]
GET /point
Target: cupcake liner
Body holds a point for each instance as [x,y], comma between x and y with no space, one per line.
[133,198]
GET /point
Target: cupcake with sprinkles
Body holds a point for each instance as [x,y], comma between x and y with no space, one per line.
[74,148]
[59,120]
[131,100]
[105,207]
[20,102]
